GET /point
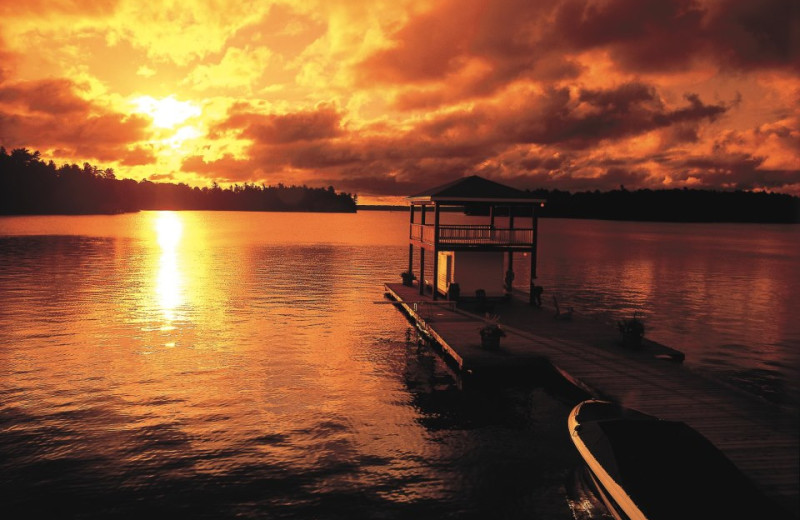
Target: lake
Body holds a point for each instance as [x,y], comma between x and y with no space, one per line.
[227,364]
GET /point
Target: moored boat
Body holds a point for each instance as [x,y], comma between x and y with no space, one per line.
[646,468]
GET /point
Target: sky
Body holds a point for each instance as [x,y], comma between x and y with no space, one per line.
[385,98]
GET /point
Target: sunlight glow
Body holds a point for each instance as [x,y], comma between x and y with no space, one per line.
[167,112]
[169,229]
[182,134]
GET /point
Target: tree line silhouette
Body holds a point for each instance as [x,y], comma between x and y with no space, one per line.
[673,205]
[28,185]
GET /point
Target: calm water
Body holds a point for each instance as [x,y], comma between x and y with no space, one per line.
[220,365]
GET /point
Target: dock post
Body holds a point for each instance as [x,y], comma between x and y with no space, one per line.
[410,245]
[422,270]
[422,252]
[511,234]
[435,250]
[535,230]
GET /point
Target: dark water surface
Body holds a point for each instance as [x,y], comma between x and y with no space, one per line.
[221,365]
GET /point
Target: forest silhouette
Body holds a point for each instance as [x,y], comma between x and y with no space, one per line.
[28,185]
[673,205]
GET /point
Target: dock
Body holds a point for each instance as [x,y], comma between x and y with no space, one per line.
[760,437]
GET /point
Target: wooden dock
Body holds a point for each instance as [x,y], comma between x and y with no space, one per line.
[760,437]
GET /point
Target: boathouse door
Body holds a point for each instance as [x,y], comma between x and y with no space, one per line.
[445,271]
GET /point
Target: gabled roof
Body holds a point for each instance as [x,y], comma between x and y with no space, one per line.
[474,189]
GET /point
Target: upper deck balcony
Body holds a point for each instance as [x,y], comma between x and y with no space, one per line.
[479,195]
[462,236]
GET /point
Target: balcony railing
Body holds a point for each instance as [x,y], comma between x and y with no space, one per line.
[474,235]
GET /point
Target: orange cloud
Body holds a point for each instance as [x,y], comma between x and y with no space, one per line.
[49,114]
[307,125]
[50,96]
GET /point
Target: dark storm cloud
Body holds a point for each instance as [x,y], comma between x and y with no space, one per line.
[558,118]
[667,34]
[514,38]
[652,35]
[489,43]
[746,34]
[309,125]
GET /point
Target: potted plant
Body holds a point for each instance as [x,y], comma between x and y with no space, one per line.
[491,334]
[408,278]
[632,332]
[453,291]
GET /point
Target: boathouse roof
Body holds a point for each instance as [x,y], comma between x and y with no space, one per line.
[474,189]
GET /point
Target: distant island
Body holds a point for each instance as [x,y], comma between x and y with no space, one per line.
[29,186]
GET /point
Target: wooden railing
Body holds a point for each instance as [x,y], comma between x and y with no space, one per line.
[474,235]
[422,233]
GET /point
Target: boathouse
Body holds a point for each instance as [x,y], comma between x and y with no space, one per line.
[471,257]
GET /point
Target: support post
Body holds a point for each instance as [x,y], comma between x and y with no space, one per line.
[435,250]
[410,220]
[535,228]
[422,270]
[510,233]
[510,268]
[422,252]
[410,234]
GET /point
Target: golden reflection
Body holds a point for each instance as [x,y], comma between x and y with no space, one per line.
[169,229]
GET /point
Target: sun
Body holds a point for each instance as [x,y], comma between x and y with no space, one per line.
[167,112]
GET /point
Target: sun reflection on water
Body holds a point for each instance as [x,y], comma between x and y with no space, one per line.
[169,229]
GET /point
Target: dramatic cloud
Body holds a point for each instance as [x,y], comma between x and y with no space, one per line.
[321,123]
[385,98]
[47,96]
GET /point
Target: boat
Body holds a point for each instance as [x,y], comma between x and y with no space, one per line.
[646,468]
